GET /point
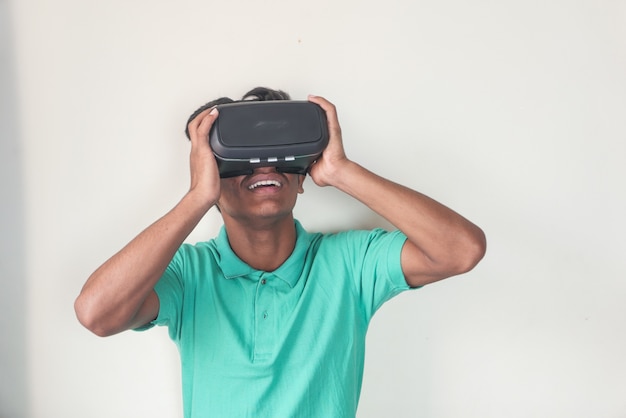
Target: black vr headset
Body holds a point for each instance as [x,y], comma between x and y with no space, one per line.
[286,134]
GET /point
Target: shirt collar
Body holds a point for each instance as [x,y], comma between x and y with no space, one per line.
[289,272]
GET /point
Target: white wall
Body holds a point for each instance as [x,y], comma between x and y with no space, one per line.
[511,112]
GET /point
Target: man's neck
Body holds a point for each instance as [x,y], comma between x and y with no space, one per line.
[263,247]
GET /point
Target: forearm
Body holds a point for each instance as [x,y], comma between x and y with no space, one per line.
[115,292]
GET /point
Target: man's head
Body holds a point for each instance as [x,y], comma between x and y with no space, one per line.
[266,193]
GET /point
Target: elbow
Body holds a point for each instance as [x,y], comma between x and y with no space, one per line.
[88,317]
[474,250]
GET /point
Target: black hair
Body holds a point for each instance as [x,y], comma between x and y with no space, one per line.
[257,93]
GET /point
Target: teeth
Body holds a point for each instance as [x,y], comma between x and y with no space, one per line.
[264,183]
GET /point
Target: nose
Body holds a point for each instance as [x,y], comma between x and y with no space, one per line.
[265,170]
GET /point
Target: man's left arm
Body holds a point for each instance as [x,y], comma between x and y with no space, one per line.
[441,243]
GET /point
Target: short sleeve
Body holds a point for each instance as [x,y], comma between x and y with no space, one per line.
[377,268]
[170,290]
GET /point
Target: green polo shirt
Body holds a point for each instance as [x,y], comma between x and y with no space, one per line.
[287,343]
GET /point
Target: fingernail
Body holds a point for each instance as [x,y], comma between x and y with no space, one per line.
[213,111]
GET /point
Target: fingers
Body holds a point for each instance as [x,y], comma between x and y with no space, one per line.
[200,126]
[335,145]
[324,171]
[331,112]
[204,171]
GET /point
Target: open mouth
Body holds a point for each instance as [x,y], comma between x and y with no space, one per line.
[264,184]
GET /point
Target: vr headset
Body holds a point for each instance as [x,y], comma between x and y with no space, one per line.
[286,134]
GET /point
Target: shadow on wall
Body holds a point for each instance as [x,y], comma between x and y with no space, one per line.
[13,326]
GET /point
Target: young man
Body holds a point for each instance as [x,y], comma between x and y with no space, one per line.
[270,320]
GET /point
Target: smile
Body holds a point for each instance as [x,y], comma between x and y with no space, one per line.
[264,183]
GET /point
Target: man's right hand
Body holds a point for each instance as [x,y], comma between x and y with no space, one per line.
[205,178]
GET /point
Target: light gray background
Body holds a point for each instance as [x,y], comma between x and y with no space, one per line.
[512,112]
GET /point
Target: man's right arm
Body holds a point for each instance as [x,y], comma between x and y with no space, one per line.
[120,295]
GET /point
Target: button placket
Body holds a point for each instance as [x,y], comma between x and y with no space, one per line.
[264,329]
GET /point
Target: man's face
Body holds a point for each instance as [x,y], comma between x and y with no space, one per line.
[264,194]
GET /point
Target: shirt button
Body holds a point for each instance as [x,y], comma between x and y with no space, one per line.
[263,281]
